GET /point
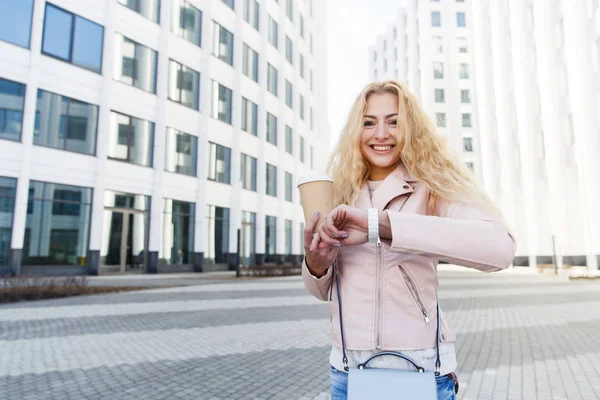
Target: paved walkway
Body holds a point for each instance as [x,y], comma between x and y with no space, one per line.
[521,336]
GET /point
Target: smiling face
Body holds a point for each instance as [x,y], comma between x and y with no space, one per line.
[380,141]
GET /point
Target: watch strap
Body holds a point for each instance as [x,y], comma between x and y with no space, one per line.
[373,224]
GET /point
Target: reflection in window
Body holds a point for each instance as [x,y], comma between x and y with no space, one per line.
[137,66]
[15,21]
[57,229]
[273,32]
[12,102]
[288,240]
[436,19]
[301,66]
[270,238]
[441,119]
[289,10]
[221,104]
[465,96]
[219,163]
[182,150]
[289,50]
[463,46]
[131,140]
[251,10]
[65,123]
[248,172]
[440,96]
[271,129]
[464,71]
[8,192]
[148,8]
[271,180]
[471,166]
[248,245]
[272,79]
[184,85]
[289,140]
[217,238]
[288,187]
[187,22]
[289,94]
[222,43]
[72,38]
[302,107]
[250,66]
[301,149]
[460,19]
[468,144]
[438,70]
[177,233]
[230,3]
[466,120]
[249,116]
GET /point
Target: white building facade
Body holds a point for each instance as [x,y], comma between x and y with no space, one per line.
[428,48]
[142,135]
[537,76]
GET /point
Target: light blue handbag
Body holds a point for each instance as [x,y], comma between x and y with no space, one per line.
[389,384]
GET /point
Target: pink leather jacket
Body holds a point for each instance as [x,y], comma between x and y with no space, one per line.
[389,297]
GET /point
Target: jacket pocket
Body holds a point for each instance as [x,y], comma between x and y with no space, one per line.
[414,291]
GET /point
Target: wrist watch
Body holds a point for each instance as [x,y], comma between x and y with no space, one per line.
[373,224]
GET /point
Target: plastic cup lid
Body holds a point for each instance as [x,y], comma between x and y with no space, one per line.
[314,178]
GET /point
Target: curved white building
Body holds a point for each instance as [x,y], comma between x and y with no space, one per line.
[141,135]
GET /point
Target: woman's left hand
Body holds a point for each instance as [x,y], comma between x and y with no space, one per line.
[351,220]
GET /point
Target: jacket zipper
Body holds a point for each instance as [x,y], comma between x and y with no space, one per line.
[415,293]
[378,273]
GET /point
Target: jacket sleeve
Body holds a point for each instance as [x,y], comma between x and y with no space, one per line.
[318,287]
[465,236]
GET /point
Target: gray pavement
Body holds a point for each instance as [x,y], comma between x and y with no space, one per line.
[520,336]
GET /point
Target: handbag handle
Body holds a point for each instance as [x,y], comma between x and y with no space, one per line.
[391,353]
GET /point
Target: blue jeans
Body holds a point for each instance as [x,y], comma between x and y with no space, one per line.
[339,386]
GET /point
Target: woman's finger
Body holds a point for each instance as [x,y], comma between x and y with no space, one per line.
[325,237]
[314,245]
[330,227]
[308,230]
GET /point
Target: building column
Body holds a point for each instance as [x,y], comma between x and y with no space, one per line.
[582,98]
[22,193]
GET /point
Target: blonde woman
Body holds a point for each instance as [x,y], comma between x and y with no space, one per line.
[404,202]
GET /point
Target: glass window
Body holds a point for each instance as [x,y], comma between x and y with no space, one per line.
[181,152]
[438,44]
[148,8]
[289,95]
[465,96]
[248,238]
[468,144]
[301,66]
[187,22]
[250,67]
[289,140]
[271,129]
[466,120]
[464,71]
[12,103]
[8,192]
[436,19]
[72,38]
[251,13]
[471,165]
[219,163]
[289,9]
[217,239]
[312,157]
[270,238]
[221,105]
[438,70]
[177,233]
[137,65]
[222,43]
[184,85]
[273,32]
[463,46]
[301,149]
[15,21]
[271,180]
[460,19]
[65,123]
[229,3]
[288,240]
[310,80]
[288,187]
[311,44]
[440,119]
[272,79]
[301,26]
[289,50]
[439,96]
[58,226]
[302,107]
[249,116]
[248,172]
[131,140]
[311,118]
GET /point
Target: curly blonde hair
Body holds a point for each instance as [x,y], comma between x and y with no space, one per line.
[426,154]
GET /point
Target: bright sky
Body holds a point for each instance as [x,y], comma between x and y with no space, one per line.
[353,26]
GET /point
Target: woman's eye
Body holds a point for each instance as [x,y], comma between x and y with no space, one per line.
[369,123]
[393,123]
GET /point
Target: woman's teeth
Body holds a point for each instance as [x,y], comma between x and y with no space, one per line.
[382,148]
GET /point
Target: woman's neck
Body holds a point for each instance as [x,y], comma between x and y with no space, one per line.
[379,174]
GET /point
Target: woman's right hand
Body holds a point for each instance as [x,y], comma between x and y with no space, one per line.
[318,255]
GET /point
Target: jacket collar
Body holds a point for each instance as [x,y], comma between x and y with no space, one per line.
[395,184]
